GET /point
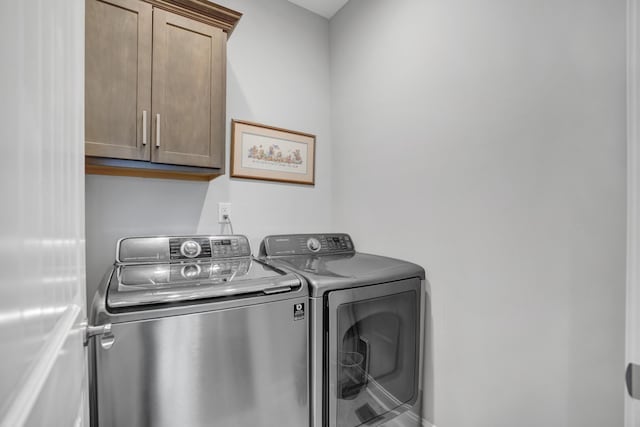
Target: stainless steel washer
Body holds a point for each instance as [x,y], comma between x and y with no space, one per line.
[370,332]
[191,331]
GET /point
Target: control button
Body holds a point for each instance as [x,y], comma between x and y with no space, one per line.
[313,244]
[190,249]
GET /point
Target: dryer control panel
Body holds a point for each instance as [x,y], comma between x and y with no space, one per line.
[306,244]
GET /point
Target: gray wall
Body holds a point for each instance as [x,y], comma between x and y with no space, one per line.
[277,74]
[485,140]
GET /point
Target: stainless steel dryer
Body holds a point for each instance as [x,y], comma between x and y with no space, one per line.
[370,332]
[191,331]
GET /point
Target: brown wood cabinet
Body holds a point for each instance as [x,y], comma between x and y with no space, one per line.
[155,87]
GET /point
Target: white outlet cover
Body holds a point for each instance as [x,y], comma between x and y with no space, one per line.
[223,209]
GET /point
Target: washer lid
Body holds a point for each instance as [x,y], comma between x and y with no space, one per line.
[135,285]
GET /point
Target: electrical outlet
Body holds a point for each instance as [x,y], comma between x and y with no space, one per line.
[224,212]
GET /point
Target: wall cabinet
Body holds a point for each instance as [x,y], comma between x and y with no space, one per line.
[155,87]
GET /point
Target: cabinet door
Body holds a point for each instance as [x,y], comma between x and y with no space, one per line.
[118,78]
[188,91]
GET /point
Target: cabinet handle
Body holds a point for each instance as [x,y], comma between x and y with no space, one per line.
[144,127]
[157,130]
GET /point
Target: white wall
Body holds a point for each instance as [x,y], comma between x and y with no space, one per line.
[277,74]
[42,369]
[485,140]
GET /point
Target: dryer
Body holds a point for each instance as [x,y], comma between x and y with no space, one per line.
[370,331]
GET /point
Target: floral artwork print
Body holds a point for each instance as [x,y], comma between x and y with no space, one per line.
[273,153]
[269,153]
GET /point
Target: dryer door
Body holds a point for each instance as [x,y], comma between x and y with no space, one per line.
[374,354]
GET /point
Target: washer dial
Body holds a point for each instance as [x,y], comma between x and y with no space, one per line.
[313,244]
[190,249]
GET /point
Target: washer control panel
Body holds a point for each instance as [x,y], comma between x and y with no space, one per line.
[209,247]
[234,246]
[305,244]
[189,247]
[181,248]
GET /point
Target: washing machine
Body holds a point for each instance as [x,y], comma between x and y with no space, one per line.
[370,332]
[192,331]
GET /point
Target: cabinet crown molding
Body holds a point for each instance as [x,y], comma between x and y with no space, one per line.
[203,11]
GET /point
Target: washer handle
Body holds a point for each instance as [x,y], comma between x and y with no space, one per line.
[104,331]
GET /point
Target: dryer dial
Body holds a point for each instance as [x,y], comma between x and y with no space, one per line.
[313,244]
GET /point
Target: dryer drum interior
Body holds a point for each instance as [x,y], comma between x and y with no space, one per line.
[376,351]
[370,349]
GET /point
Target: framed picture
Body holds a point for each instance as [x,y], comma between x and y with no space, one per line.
[272,154]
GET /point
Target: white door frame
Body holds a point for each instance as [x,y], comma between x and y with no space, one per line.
[632,407]
[43,374]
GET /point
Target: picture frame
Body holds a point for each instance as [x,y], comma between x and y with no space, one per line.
[270,153]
